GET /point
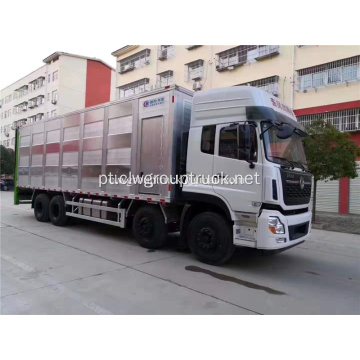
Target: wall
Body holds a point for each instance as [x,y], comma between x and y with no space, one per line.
[276,65]
[72,84]
[98,83]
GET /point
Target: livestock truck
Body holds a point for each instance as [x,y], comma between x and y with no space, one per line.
[222,134]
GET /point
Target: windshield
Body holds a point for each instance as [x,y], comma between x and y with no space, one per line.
[287,152]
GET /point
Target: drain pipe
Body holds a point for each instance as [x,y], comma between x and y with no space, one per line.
[293,78]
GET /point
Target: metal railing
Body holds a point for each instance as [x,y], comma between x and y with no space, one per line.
[344,121]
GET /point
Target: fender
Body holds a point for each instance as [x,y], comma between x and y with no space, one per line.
[199,198]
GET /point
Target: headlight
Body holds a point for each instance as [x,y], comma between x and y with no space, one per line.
[275,225]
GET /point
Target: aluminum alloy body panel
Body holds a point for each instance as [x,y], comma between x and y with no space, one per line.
[69,152]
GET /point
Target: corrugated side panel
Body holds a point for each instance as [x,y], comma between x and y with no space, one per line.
[327,196]
[354,205]
[118,145]
[24,158]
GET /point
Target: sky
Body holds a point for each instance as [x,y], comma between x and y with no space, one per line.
[32,30]
[29,57]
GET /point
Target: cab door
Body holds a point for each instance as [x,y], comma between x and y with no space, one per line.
[235,146]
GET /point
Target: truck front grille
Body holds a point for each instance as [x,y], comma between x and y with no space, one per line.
[296,187]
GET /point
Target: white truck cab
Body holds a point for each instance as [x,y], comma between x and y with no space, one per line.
[244,131]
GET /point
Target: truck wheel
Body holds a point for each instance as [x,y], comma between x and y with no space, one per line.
[57,211]
[210,238]
[149,227]
[41,208]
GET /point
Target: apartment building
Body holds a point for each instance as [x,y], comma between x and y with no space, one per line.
[316,81]
[66,82]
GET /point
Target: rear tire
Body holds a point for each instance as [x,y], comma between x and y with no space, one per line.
[210,238]
[41,208]
[57,211]
[149,227]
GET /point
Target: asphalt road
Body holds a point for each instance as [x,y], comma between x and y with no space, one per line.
[89,268]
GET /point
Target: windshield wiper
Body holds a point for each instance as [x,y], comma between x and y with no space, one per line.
[282,158]
[301,165]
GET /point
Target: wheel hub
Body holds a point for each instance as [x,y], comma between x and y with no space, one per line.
[206,238]
[145,227]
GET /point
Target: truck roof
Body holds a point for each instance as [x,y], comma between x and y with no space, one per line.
[236,98]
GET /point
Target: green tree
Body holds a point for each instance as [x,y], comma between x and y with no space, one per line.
[7,161]
[330,154]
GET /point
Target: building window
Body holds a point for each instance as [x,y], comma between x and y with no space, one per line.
[165,78]
[8,98]
[23,106]
[32,119]
[240,55]
[166,52]
[132,62]
[53,113]
[40,100]
[49,78]
[39,116]
[54,76]
[194,70]
[208,139]
[336,72]
[133,88]
[48,97]
[13,141]
[270,84]
[22,91]
[36,84]
[7,114]
[54,97]
[345,120]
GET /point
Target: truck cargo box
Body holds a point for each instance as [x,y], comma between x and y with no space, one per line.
[144,134]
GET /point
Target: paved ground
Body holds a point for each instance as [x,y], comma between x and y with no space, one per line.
[89,268]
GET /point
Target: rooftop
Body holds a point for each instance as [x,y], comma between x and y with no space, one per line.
[124,50]
[56,54]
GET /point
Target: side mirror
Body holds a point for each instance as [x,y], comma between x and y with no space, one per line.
[284,131]
[246,143]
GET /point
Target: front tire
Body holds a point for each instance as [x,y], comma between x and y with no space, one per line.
[149,227]
[41,208]
[210,238]
[57,211]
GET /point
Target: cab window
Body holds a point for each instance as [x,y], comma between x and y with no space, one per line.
[208,139]
[228,143]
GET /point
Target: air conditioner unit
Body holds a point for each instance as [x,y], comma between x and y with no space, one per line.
[163,55]
[54,101]
[127,67]
[6,134]
[197,86]
[190,47]
[31,104]
[24,108]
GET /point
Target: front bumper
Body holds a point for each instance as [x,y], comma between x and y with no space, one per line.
[268,241]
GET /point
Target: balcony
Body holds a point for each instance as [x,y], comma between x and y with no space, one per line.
[266,51]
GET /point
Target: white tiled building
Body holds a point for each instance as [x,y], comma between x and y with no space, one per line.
[66,82]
